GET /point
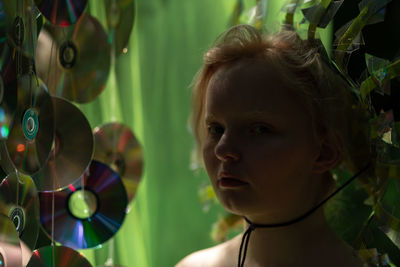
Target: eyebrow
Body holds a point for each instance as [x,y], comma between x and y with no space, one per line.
[209,118]
[249,114]
[257,113]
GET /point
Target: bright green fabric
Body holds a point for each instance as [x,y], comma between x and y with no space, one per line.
[148,89]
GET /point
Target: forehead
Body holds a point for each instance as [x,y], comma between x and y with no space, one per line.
[250,84]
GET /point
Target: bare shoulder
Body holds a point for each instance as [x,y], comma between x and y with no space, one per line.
[217,256]
[348,257]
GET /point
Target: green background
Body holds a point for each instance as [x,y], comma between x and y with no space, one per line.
[149,90]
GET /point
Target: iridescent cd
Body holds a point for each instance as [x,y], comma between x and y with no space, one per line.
[72,148]
[8,87]
[120,18]
[86,214]
[61,12]
[8,103]
[20,25]
[19,201]
[74,62]
[6,165]
[14,64]
[10,249]
[31,135]
[116,145]
[51,256]
[3,28]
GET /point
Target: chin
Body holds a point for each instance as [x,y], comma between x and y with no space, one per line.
[235,204]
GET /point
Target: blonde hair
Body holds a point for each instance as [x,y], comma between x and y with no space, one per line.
[324,94]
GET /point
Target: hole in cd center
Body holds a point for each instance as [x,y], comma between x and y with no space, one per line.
[30,124]
[19,29]
[17,217]
[83,204]
[68,54]
[117,163]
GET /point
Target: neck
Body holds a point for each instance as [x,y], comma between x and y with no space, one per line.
[289,245]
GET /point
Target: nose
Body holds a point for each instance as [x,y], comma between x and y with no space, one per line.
[227,148]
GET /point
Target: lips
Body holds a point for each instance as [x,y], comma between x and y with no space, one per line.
[230,183]
[226,180]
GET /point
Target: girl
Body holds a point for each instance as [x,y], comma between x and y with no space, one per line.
[269,116]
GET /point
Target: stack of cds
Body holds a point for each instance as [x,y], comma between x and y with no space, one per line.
[58,179]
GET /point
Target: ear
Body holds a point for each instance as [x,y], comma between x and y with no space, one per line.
[330,153]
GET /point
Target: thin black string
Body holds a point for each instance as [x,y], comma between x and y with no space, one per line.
[253,226]
[245,238]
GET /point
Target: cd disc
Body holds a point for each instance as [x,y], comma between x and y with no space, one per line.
[72,148]
[120,18]
[10,249]
[3,28]
[62,12]
[8,101]
[20,25]
[116,146]
[74,62]
[57,256]
[31,135]
[19,201]
[88,214]
[6,165]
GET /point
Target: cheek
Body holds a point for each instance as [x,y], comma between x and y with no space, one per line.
[279,161]
[209,159]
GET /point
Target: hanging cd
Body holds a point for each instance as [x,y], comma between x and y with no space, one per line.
[8,87]
[74,62]
[8,102]
[20,25]
[72,148]
[10,249]
[62,12]
[6,165]
[57,256]
[19,201]
[120,18]
[3,28]
[88,214]
[116,146]
[31,135]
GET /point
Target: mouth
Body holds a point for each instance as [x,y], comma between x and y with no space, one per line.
[229,182]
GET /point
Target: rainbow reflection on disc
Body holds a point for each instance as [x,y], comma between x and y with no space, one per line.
[120,17]
[74,62]
[19,21]
[57,256]
[72,148]
[117,146]
[10,249]
[86,224]
[19,201]
[32,132]
[61,12]
[8,95]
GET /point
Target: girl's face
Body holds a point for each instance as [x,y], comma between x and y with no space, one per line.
[259,151]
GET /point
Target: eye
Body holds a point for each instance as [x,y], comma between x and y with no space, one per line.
[215,129]
[260,129]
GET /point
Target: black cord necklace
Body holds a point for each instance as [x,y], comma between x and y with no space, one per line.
[253,226]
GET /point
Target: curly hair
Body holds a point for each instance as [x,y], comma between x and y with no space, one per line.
[323,92]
